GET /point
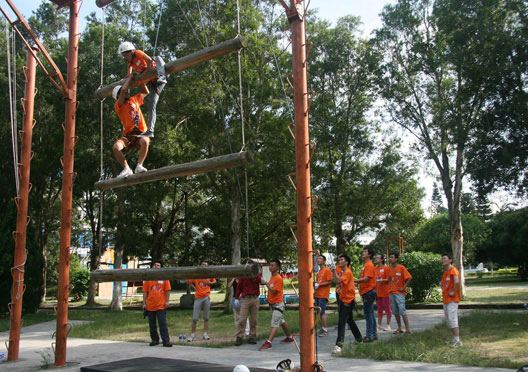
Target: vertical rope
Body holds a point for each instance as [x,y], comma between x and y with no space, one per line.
[242,124]
[11,76]
[157,30]
[101,107]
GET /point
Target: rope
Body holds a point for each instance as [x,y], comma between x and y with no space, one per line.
[157,30]
[243,127]
[12,109]
[101,107]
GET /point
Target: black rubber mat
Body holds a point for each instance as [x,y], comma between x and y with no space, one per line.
[161,365]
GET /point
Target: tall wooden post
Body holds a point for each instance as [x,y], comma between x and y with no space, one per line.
[302,167]
[17,291]
[67,185]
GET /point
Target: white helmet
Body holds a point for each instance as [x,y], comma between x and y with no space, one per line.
[126,46]
[241,368]
[115,92]
[285,365]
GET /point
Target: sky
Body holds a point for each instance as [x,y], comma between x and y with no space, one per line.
[367,10]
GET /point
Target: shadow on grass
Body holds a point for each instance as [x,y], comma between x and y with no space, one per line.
[481,331]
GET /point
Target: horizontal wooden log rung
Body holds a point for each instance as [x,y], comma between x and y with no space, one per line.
[170,273]
[186,169]
[180,64]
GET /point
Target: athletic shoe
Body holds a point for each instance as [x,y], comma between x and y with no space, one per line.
[457,343]
[322,333]
[148,133]
[367,339]
[206,336]
[191,338]
[337,350]
[238,341]
[286,340]
[167,344]
[374,338]
[266,346]
[154,343]
[252,341]
[125,172]
[140,169]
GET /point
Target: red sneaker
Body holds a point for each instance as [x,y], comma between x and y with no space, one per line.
[266,346]
[286,340]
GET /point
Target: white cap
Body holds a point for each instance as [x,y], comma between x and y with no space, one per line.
[241,368]
[115,92]
[126,46]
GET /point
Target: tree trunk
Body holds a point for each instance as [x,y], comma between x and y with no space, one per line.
[117,297]
[457,247]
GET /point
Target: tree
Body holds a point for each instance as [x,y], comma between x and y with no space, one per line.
[433,236]
[365,184]
[441,72]
[437,203]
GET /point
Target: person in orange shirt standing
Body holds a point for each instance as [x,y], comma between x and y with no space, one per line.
[399,281]
[347,295]
[451,296]
[322,292]
[129,112]
[367,291]
[276,301]
[139,62]
[382,291]
[156,294]
[201,301]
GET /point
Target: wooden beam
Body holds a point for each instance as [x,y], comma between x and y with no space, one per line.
[180,64]
[103,3]
[186,169]
[169,273]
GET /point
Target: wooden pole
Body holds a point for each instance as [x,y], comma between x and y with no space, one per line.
[17,291]
[63,288]
[304,197]
[197,167]
[180,64]
[169,273]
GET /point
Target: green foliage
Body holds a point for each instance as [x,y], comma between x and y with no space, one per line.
[426,270]
[434,236]
[81,280]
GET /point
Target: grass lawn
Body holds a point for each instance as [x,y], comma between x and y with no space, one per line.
[129,325]
[495,296]
[500,343]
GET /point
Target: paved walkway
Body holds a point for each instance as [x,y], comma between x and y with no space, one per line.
[36,342]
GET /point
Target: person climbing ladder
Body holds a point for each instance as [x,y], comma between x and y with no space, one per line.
[139,62]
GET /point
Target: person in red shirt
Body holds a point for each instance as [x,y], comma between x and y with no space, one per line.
[347,295]
[201,301]
[382,291]
[367,291]
[156,294]
[276,301]
[247,295]
[322,292]
[129,112]
[139,62]
[451,296]
[399,281]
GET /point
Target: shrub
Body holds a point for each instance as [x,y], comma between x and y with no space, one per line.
[426,270]
[81,281]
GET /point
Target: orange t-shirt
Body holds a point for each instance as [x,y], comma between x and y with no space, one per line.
[339,272]
[370,271]
[398,277]
[130,114]
[448,284]
[139,63]
[348,289]
[277,284]
[156,294]
[202,288]
[382,289]
[324,275]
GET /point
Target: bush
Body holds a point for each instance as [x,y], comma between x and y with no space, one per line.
[426,270]
[81,281]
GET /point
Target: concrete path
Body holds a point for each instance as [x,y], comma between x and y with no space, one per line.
[36,342]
